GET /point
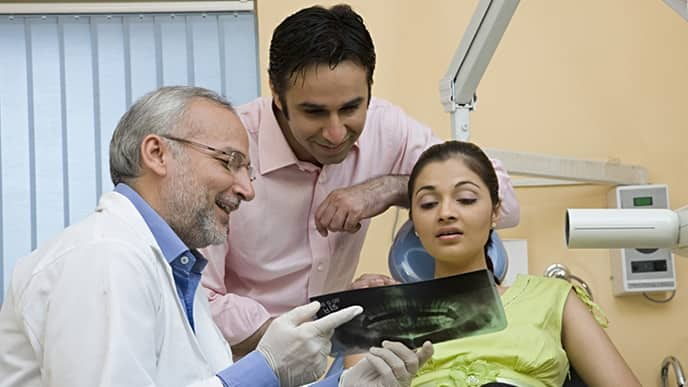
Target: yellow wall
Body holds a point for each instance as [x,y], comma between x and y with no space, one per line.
[587,79]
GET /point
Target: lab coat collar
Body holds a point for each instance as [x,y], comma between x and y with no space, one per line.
[119,206]
[171,245]
[169,242]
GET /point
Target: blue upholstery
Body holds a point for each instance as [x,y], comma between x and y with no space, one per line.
[409,262]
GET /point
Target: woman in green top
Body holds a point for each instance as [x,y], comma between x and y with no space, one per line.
[454,203]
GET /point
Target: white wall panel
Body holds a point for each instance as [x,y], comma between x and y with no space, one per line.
[143,71]
[15,157]
[206,51]
[175,51]
[241,70]
[112,86]
[79,117]
[45,101]
[64,83]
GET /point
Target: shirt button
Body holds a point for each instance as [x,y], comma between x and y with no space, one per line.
[184,259]
[320,267]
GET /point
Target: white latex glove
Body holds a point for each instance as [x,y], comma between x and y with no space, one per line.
[296,347]
[393,365]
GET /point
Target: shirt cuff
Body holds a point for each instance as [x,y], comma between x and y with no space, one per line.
[251,370]
[332,381]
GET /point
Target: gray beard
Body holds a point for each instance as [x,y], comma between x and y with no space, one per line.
[190,214]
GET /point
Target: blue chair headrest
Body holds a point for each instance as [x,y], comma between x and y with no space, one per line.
[409,262]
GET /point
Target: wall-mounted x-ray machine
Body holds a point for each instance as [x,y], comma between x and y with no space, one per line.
[641,230]
[639,270]
[634,228]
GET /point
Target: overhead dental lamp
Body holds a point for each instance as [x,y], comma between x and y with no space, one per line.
[408,260]
[479,42]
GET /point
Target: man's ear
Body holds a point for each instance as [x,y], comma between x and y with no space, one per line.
[275,97]
[155,155]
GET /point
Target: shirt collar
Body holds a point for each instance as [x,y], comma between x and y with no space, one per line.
[273,150]
[170,244]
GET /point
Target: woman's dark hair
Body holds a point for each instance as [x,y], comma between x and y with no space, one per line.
[317,35]
[475,159]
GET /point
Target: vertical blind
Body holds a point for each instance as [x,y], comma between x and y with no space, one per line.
[64,82]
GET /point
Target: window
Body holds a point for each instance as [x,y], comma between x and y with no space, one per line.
[65,79]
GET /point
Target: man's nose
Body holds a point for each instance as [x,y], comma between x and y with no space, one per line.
[335,132]
[243,187]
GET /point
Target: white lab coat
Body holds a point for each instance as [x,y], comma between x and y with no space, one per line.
[97,306]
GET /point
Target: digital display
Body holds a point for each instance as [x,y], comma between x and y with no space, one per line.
[642,201]
[648,266]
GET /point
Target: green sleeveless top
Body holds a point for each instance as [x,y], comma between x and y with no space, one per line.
[528,352]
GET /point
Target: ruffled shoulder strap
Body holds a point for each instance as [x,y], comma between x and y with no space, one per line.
[596,311]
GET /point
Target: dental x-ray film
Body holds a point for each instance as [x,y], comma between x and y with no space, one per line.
[437,310]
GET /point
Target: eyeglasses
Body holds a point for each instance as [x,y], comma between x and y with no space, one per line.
[234,160]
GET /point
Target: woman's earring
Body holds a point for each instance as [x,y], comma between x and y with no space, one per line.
[494,224]
[416,233]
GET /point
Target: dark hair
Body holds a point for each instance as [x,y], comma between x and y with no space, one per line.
[317,35]
[475,159]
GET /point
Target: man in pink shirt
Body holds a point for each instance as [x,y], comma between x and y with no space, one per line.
[329,157]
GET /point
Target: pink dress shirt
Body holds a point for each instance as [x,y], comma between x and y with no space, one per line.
[274,258]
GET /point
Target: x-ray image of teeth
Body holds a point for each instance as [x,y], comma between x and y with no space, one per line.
[436,310]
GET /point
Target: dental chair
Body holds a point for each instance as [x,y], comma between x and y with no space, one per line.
[409,262]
